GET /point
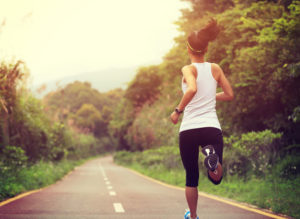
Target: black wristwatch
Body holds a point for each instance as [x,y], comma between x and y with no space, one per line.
[178,111]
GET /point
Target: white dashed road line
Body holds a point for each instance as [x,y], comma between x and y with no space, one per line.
[119,208]
[102,171]
[112,193]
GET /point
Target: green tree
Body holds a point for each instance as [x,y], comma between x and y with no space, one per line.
[89,118]
[10,75]
[76,98]
[144,87]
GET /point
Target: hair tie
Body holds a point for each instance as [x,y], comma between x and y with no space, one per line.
[194,50]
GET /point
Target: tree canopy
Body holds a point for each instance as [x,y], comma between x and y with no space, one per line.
[257,48]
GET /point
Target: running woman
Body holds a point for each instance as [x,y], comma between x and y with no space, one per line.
[200,125]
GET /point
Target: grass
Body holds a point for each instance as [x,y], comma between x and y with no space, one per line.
[164,164]
[35,176]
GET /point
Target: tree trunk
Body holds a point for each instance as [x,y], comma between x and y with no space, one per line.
[4,123]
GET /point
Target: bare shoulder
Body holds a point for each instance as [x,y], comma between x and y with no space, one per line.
[216,71]
[189,69]
[215,67]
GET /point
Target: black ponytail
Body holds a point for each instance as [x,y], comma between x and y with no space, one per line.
[198,40]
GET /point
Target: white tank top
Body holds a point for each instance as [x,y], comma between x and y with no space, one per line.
[201,110]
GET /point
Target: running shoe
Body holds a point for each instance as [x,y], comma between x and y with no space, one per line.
[212,159]
[187,215]
[207,150]
[216,176]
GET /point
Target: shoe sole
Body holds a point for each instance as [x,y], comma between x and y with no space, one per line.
[208,150]
[211,162]
[216,175]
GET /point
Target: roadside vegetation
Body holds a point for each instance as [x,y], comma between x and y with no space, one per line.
[258,49]
[18,176]
[42,140]
[275,189]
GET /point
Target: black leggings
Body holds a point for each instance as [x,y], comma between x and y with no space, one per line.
[189,142]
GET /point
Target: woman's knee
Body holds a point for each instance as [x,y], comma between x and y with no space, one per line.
[192,178]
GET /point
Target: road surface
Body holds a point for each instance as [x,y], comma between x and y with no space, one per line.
[101,189]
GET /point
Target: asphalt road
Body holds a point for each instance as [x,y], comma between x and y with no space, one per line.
[101,189]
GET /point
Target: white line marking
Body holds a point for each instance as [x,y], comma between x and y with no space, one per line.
[107,182]
[105,179]
[102,170]
[119,208]
[112,193]
[109,187]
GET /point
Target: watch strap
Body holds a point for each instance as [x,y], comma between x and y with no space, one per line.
[178,111]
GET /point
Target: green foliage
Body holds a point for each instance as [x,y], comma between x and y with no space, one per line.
[88,117]
[31,127]
[24,122]
[10,76]
[251,153]
[288,168]
[33,176]
[166,157]
[155,163]
[85,109]
[258,49]
[151,128]
[12,160]
[58,141]
[145,86]
[295,117]
[72,97]
[85,145]
[122,118]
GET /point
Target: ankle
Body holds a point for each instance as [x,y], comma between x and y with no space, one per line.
[194,216]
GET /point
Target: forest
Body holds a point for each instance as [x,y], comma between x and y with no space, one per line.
[258,50]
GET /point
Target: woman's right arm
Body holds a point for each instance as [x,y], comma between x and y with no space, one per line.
[219,75]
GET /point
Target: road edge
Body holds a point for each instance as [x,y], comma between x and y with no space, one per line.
[24,194]
[27,193]
[244,206]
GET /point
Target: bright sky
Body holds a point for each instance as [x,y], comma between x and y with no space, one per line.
[59,38]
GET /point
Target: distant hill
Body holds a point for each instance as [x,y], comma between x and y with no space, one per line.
[103,80]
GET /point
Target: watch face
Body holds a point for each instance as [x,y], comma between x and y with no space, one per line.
[178,111]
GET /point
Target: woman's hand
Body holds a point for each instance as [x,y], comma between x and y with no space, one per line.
[174,117]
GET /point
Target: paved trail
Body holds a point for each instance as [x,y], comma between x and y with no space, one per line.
[101,189]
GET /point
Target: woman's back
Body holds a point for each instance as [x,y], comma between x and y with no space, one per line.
[201,110]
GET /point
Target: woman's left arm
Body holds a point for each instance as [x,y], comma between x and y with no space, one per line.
[189,74]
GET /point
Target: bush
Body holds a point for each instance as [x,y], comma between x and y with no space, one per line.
[33,176]
[123,157]
[12,160]
[288,167]
[83,145]
[252,152]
